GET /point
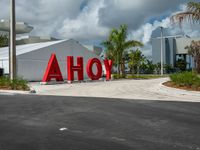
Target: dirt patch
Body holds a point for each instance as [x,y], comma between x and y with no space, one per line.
[5,88]
[17,89]
[188,88]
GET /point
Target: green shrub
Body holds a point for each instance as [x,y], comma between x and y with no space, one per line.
[186,79]
[117,76]
[4,81]
[16,84]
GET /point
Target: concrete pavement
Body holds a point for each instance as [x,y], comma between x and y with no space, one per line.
[128,89]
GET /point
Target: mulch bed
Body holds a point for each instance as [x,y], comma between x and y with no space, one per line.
[188,88]
[5,88]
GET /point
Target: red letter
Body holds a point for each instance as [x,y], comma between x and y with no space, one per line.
[71,68]
[108,66]
[53,70]
[99,69]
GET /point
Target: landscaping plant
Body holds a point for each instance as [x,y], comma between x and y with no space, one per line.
[16,84]
[188,79]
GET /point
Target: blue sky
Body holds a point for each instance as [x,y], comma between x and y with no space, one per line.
[89,21]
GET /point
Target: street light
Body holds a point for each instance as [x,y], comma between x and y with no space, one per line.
[12,49]
[161,69]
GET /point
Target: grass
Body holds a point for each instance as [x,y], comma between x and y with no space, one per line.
[16,84]
[186,80]
[129,76]
[144,76]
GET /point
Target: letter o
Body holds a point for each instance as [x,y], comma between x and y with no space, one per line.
[90,73]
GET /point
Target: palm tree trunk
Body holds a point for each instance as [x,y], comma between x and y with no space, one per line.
[118,69]
[138,70]
[195,64]
[198,65]
[132,70]
[123,68]
[118,64]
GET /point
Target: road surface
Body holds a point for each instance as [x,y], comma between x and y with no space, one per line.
[31,122]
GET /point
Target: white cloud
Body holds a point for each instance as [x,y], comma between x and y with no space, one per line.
[90,20]
[134,13]
[144,33]
[85,26]
[48,16]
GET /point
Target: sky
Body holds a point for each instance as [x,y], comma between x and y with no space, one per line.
[90,21]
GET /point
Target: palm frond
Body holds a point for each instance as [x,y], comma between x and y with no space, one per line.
[192,14]
[132,43]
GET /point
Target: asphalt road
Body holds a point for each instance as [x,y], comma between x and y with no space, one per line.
[67,123]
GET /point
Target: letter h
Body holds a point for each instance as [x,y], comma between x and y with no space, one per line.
[71,68]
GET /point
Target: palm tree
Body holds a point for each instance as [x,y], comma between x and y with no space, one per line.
[192,14]
[116,44]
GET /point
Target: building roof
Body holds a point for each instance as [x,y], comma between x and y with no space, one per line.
[22,49]
[93,48]
[28,39]
[173,36]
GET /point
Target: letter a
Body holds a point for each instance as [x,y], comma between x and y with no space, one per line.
[53,70]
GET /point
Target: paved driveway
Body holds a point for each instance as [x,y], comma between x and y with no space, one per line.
[128,89]
[30,122]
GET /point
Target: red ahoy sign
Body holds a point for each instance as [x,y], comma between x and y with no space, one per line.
[53,69]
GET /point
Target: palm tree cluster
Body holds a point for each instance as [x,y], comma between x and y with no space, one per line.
[116,46]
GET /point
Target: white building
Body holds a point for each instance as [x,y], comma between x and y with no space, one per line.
[32,59]
[173,50]
[21,27]
[23,33]
[96,49]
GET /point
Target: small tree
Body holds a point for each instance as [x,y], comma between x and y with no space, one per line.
[135,59]
[147,67]
[181,65]
[194,51]
[168,68]
[3,40]
[157,67]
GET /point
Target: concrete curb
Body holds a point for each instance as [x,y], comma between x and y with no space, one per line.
[15,92]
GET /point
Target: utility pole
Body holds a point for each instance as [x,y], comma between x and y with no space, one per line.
[12,50]
[161,69]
